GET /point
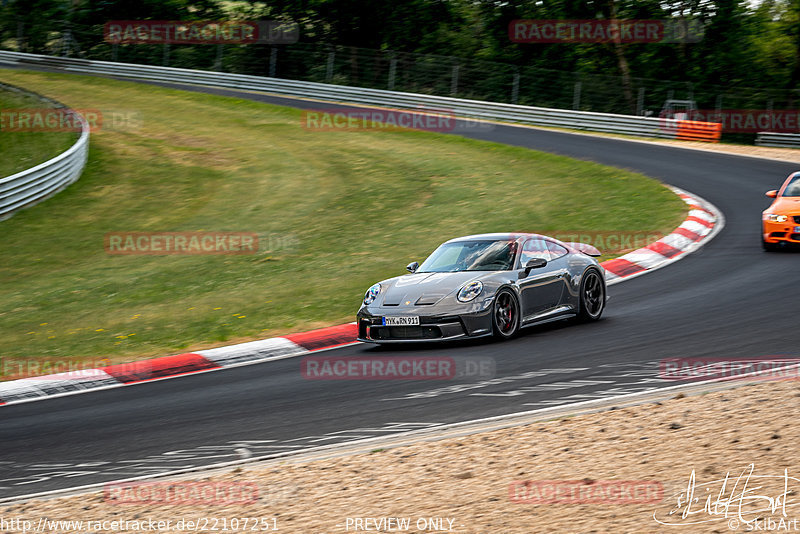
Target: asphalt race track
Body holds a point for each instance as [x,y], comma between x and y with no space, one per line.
[730,299]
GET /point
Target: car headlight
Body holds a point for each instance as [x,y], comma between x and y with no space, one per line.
[470,291]
[772,217]
[372,294]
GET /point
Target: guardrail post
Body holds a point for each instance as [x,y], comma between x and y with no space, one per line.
[273,61]
[576,96]
[165,59]
[515,88]
[640,102]
[454,82]
[114,50]
[20,35]
[218,59]
[66,43]
[329,69]
[392,73]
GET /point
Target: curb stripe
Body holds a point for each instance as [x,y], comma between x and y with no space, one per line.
[698,220]
[686,233]
[143,370]
[645,257]
[696,227]
[333,336]
[622,267]
[252,351]
[665,250]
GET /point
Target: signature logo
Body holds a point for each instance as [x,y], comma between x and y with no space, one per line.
[746,500]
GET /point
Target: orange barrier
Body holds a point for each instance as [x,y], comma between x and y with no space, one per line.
[699,131]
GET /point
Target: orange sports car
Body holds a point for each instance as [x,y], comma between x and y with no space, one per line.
[780,223]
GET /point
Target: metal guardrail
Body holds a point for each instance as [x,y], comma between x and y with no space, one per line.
[33,185]
[782,140]
[561,118]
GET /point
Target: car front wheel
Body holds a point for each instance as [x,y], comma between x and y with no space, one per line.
[593,296]
[769,247]
[505,316]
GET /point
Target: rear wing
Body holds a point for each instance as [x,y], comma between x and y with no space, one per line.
[589,250]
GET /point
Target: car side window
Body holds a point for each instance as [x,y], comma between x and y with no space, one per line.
[793,189]
[556,250]
[534,248]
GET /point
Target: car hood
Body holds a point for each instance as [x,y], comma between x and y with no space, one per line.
[785,206]
[427,288]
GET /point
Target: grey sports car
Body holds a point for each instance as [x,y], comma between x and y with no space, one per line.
[488,284]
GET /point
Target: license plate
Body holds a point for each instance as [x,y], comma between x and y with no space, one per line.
[797,229]
[401,321]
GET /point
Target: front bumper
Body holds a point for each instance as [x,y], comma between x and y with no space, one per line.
[777,232]
[432,327]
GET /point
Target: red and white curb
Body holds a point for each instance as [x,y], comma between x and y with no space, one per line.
[125,374]
[702,224]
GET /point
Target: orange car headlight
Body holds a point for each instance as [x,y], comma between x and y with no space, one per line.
[772,217]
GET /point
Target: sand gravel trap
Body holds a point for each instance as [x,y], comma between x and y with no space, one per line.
[785,154]
[466,480]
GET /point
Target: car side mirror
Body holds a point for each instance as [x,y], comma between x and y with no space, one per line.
[535,263]
[412,267]
[772,194]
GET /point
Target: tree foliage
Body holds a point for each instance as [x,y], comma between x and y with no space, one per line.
[746,44]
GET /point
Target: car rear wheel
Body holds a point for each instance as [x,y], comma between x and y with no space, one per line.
[505,315]
[593,296]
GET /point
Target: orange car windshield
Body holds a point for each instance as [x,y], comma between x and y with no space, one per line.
[793,189]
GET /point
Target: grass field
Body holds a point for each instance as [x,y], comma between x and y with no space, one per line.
[23,150]
[335,212]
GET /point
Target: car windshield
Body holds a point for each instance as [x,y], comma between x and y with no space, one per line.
[793,189]
[470,256]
